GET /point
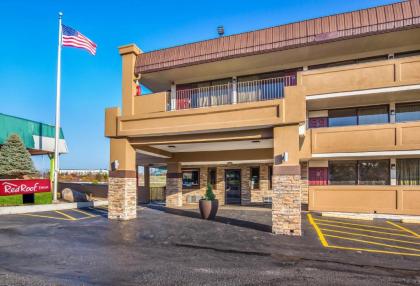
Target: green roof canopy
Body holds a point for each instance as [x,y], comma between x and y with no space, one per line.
[38,137]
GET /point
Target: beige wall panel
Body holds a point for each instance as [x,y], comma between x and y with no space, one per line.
[353,200]
[353,139]
[150,103]
[411,201]
[410,70]
[382,199]
[111,115]
[409,135]
[354,77]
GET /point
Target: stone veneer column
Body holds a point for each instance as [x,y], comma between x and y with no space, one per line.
[286,200]
[286,206]
[122,182]
[174,185]
[122,195]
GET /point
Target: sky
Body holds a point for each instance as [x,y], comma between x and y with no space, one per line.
[28,54]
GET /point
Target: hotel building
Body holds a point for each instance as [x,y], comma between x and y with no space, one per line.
[323,113]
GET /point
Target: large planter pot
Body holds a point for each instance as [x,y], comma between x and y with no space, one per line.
[208,209]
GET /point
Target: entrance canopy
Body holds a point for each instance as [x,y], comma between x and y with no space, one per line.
[38,137]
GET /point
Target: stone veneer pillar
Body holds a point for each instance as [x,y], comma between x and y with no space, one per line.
[174,185]
[122,195]
[286,206]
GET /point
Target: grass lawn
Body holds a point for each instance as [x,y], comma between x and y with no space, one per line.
[40,199]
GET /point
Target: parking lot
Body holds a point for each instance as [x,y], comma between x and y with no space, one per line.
[379,236]
[175,247]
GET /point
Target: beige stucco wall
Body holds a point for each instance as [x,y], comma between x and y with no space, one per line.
[370,199]
[378,74]
[380,137]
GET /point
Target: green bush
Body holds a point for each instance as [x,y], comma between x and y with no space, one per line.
[43,198]
[209,195]
[11,200]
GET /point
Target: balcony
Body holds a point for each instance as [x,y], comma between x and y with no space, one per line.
[230,93]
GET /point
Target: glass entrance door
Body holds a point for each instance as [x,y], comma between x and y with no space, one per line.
[233,186]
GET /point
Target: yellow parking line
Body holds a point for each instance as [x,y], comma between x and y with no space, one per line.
[365,230]
[318,231]
[404,229]
[66,215]
[371,242]
[374,250]
[83,212]
[46,216]
[370,236]
[364,225]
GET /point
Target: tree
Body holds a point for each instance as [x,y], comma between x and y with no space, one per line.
[15,160]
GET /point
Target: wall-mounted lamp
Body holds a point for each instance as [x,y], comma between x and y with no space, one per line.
[115,165]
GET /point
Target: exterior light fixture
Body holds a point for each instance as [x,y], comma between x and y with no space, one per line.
[220,30]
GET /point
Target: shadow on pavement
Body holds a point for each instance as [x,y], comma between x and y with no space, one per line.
[220,219]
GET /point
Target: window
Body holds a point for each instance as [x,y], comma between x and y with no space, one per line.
[211,177]
[367,172]
[255,178]
[375,172]
[342,117]
[191,179]
[358,116]
[373,115]
[270,177]
[407,111]
[140,176]
[342,172]
[408,172]
[318,176]
[318,122]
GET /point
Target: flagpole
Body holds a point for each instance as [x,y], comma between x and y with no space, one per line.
[57,111]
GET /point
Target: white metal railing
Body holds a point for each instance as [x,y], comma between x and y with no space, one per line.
[230,93]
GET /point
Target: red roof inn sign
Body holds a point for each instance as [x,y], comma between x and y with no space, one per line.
[23,187]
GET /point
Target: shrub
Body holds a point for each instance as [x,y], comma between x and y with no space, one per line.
[209,195]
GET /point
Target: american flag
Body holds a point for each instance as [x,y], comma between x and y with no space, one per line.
[73,38]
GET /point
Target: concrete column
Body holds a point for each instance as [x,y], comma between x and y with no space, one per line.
[234,90]
[129,55]
[393,172]
[286,206]
[122,187]
[174,185]
[392,112]
[173,96]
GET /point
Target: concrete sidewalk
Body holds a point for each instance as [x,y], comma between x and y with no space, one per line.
[50,207]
